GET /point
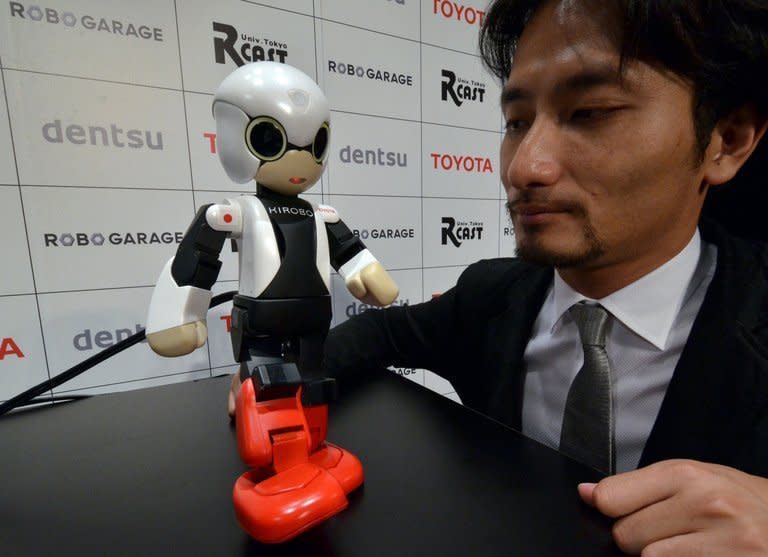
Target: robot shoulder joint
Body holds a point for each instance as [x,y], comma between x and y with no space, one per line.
[328,214]
[226,217]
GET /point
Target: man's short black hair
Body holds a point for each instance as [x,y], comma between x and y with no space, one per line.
[719,46]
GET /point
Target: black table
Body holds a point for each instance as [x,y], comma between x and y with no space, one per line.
[150,472]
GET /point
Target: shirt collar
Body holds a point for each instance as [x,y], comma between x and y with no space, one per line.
[648,306]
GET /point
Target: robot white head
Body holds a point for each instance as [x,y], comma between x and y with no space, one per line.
[272,126]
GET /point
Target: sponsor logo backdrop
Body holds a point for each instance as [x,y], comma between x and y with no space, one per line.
[107,147]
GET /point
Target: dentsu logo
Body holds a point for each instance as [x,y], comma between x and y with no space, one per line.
[88,340]
[110,135]
[372,157]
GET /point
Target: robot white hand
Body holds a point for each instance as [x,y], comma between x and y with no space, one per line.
[176,322]
[364,276]
[180,340]
[373,285]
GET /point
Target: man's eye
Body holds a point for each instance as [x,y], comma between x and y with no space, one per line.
[516,125]
[589,113]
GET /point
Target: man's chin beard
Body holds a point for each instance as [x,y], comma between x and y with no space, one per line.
[533,251]
[550,258]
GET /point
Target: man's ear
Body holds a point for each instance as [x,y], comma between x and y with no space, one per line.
[734,139]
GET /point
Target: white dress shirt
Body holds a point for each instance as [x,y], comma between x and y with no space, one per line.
[652,318]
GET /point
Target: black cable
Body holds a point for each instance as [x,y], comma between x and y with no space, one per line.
[52,399]
[27,396]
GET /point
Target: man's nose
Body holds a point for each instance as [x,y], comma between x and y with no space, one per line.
[535,161]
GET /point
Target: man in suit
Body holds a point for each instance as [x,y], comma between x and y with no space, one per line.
[606,168]
[620,118]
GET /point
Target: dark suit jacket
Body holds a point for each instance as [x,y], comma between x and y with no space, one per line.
[474,335]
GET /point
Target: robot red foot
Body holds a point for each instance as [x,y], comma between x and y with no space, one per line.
[298,479]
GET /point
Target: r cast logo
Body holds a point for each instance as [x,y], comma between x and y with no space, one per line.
[458,11]
[88,22]
[242,48]
[372,157]
[8,347]
[385,233]
[102,136]
[374,74]
[461,163]
[457,231]
[82,239]
[459,89]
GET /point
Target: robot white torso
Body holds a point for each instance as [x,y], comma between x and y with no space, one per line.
[245,219]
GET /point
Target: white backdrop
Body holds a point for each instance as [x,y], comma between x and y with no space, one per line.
[107,149]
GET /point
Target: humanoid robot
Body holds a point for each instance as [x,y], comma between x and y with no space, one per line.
[273,126]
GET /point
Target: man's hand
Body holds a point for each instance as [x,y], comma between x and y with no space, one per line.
[683,507]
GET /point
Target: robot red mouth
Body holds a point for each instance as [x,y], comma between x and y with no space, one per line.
[297,181]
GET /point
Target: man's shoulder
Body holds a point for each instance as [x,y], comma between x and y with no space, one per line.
[740,255]
[500,278]
[739,288]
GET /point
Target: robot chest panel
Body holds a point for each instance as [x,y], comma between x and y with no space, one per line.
[290,225]
[293,223]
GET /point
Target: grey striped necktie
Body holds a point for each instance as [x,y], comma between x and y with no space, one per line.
[587,433]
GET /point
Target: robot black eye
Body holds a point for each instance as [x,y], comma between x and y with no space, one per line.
[320,144]
[266,138]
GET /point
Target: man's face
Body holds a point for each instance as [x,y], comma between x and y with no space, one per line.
[599,169]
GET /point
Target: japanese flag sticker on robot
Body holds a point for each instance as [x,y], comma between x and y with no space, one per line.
[273,126]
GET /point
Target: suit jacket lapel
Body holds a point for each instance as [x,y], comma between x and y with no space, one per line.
[511,333]
[720,386]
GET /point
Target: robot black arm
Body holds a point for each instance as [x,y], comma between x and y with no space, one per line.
[342,244]
[197,258]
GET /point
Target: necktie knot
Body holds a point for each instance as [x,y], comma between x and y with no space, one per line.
[592,321]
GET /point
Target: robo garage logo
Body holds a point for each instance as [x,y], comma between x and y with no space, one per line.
[385,233]
[457,232]
[242,48]
[509,231]
[460,90]
[370,73]
[9,348]
[97,23]
[83,239]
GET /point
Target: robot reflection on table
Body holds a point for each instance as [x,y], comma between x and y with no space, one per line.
[272,125]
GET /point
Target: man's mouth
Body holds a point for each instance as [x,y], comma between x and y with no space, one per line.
[529,209]
[536,213]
